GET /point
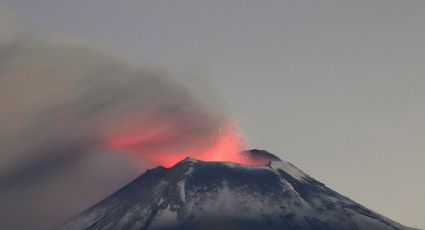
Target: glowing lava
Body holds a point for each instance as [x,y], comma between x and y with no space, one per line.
[154,147]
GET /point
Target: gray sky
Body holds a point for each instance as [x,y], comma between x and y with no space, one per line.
[336,87]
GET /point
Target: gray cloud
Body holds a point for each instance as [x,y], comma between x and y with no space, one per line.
[61,104]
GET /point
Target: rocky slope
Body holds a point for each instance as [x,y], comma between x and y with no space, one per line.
[220,195]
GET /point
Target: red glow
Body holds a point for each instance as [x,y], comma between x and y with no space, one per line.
[162,145]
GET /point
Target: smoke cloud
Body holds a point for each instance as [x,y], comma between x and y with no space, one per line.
[67,109]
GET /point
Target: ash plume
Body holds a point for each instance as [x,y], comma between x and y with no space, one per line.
[61,107]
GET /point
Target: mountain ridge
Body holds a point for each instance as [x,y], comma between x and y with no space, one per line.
[196,194]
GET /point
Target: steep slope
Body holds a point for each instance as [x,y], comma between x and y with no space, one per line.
[220,195]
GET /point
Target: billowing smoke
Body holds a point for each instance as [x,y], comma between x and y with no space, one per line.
[66,95]
[71,114]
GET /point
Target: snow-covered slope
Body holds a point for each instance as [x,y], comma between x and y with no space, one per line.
[220,195]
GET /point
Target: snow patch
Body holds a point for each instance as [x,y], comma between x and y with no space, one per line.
[181,185]
[295,172]
[166,218]
[189,171]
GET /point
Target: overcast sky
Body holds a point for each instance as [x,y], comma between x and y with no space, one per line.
[336,87]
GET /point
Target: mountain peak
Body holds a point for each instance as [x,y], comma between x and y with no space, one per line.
[261,155]
[196,194]
[189,159]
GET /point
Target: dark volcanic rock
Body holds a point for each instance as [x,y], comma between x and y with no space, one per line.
[220,195]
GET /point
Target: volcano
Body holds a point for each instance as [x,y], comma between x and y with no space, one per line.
[196,194]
